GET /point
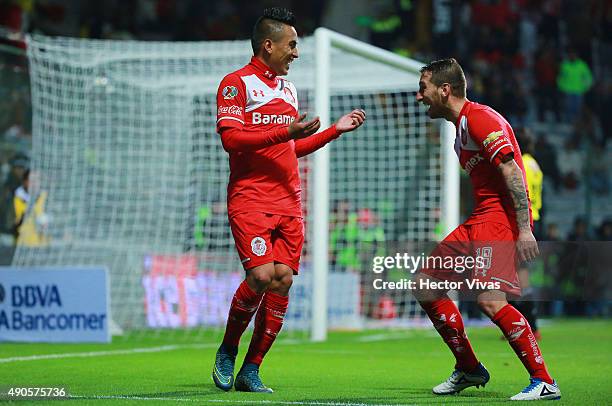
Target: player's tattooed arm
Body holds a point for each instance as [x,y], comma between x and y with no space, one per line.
[527,246]
[516,187]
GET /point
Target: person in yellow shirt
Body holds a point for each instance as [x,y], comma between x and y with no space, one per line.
[535,178]
[30,221]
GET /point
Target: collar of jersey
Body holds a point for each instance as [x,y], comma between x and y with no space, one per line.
[263,70]
[463,112]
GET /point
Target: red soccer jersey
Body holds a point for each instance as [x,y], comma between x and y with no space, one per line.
[483,138]
[266,180]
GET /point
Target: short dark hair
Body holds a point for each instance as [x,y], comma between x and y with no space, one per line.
[270,25]
[447,71]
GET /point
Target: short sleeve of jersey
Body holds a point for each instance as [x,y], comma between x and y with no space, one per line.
[490,135]
[231,102]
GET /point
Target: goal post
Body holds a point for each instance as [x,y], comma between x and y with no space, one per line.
[320,181]
[450,178]
[325,40]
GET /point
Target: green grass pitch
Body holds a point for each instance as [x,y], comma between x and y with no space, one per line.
[397,367]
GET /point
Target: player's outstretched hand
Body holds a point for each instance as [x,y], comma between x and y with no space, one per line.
[527,246]
[302,129]
[351,121]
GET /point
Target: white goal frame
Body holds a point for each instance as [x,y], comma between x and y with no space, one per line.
[325,40]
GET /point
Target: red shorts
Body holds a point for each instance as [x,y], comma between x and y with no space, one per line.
[262,238]
[492,245]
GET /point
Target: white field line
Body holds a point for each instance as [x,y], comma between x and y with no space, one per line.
[126,397]
[234,401]
[309,403]
[399,335]
[302,350]
[105,353]
[377,337]
[163,348]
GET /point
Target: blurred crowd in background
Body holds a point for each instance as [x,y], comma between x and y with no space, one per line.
[544,64]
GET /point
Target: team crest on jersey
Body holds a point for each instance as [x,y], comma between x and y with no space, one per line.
[258,246]
[492,137]
[229,92]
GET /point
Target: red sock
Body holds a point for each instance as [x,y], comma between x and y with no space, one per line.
[244,305]
[446,318]
[268,323]
[518,332]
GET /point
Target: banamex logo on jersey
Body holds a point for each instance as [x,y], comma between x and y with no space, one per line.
[259,118]
[229,92]
[472,162]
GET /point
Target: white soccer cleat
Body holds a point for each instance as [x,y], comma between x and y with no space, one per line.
[539,390]
[459,380]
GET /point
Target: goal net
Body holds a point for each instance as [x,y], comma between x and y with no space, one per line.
[125,148]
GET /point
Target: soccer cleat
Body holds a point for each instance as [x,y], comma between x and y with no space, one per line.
[223,370]
[459,380]
[539,390]
[248,380]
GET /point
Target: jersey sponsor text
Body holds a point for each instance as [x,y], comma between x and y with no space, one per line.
[259,118]
[234,110]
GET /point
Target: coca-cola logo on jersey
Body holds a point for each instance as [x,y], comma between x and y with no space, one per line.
[234,110]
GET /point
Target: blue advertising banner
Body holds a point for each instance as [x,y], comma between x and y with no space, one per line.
[53,304]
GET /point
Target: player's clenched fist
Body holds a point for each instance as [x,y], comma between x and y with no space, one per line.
[302,129]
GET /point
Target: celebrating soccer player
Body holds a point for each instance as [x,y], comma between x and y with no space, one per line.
[499,230]
[261,129]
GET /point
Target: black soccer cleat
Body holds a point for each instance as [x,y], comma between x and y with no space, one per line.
[459,380]
[248,380]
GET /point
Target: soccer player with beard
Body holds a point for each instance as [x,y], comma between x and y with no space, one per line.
[499,231]
[261,129]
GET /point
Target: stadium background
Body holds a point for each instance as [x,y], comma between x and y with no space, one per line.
[512,51]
